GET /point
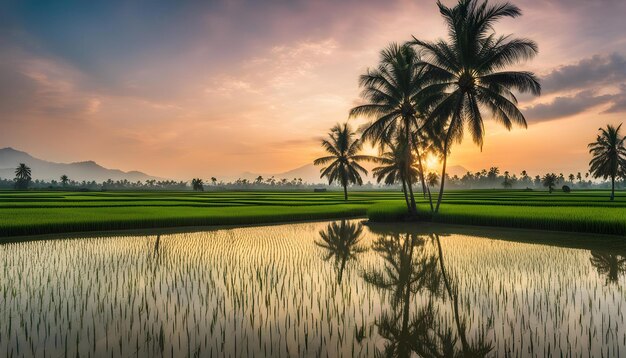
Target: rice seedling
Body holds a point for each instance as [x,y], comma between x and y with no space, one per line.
[277,291]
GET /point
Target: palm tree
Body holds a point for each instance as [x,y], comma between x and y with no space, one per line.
[469,71]
[343,158]
[197,184]
[609,155]
[549,181]
[64,180]
[214,180]
[394,168]
[391,92]
[22,176]
[341,243]
[432,179]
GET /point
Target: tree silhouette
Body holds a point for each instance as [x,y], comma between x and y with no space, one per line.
[391,92]
[395,166]
[344,159]
[609,155]
[197,184]
[468,71]
[64,180]
[549,181]
[22,176]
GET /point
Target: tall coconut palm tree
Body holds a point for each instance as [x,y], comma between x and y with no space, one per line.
[609,155]
[64,180]
[469,70]
[344,159]
[391,92]
[22,176]
[394,168]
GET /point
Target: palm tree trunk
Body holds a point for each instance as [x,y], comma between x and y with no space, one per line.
[443,171]
[612,188]
[421,170]
[409,181]
[453,297]
[413,206]
[345,192]
[406,197]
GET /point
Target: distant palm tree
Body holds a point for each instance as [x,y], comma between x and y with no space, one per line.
[432,179]
[64,180]
[609,155]
[391,92]
[394,168]
[468,71]
[214,180]
[549,181]
[197,184]
[22,176]
[344,167]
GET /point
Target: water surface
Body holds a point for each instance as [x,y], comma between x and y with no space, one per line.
[315,289]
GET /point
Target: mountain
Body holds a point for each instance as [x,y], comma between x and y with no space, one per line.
[456,170]
[79,171]
[311,174]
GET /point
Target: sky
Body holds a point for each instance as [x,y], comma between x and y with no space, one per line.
[182,89]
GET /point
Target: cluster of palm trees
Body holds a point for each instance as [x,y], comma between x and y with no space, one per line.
[423,96]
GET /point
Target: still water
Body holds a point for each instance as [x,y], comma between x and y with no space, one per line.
[315,289]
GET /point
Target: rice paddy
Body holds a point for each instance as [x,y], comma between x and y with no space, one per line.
[41,212]
[315,289]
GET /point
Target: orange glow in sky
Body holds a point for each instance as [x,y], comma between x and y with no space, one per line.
[221,89]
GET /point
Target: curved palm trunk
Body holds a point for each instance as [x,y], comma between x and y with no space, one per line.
[406,197]
[443,171]
[612,188]
[454,298]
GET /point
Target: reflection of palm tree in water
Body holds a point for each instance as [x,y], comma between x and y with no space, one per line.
[608,264]
[341,243]
[479,348]
[156,246]
[409,269]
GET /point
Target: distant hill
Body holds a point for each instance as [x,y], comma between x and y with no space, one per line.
[311,174]
[456,170]
[79,171]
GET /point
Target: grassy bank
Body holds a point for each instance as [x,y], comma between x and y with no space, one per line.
[588,219]
[39,212]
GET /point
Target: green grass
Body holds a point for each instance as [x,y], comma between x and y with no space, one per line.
[40,212]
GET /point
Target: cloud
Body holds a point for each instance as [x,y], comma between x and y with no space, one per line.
[594,71]
[579,87]
[564,106]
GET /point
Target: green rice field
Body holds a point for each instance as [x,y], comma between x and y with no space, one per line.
[42,212]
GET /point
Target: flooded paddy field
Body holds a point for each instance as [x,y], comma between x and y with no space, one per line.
[336,288]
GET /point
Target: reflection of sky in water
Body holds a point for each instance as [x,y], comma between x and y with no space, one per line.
[276,290]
